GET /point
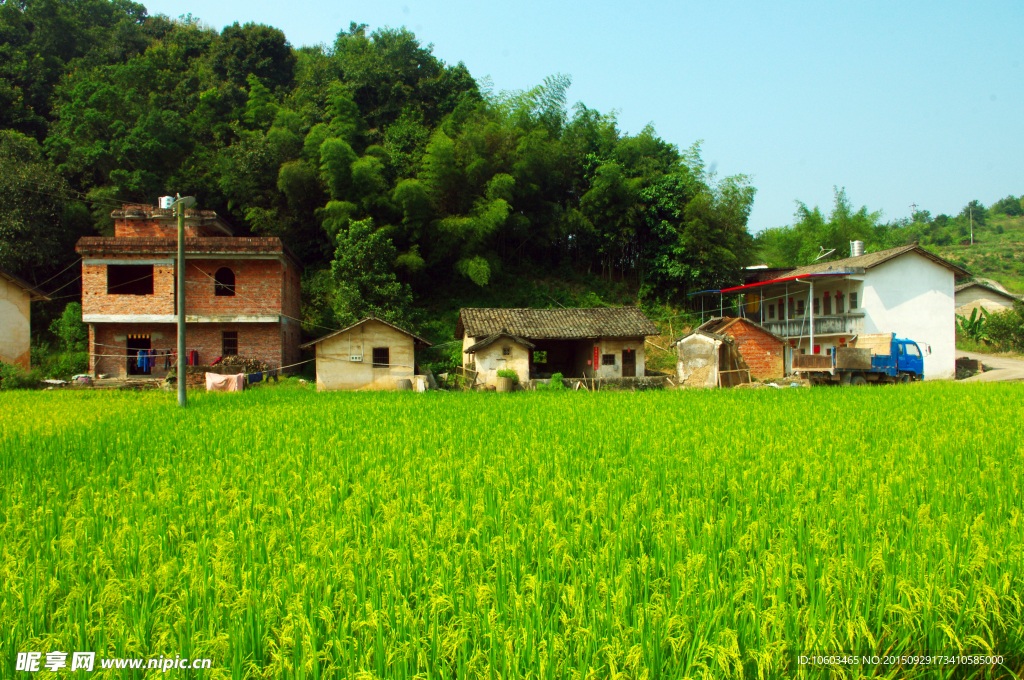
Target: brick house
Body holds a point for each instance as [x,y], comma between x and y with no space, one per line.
[242,293]
[762,350]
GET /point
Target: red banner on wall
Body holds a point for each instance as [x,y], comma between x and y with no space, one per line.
[596,353]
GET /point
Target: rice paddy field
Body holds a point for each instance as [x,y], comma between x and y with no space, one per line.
[722,534]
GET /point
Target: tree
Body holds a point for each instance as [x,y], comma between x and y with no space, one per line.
[39,221]
[71,332]
[363,270]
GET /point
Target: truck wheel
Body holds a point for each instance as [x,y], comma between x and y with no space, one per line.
[858,380]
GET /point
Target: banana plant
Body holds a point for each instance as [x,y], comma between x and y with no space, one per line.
[973,328]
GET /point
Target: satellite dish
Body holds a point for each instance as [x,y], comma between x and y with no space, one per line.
[823,253]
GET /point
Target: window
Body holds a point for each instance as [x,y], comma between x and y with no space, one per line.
[828,304]
[129,279]
[839,303]
[817,306]
[853,301]
[771,311]
[224,282]
[607,359]
[381,357]
[229,344]
[913,351]
[506,351]
[792,309]
[800,308]
[540,357]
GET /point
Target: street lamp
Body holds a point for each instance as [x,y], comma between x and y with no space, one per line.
[181,204]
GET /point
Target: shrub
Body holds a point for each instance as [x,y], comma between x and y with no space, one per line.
[508,373]
[16,378]
[553,386]
[1006,329]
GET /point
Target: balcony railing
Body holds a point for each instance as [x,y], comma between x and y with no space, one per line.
[846,324]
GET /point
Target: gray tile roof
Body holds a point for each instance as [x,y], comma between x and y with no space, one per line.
[556,324]
[34,292]
[873,260]
[979,284]
[417,340]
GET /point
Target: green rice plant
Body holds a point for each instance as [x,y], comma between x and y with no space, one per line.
[717,534]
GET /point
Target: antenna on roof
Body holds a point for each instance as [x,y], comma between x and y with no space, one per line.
[823,253]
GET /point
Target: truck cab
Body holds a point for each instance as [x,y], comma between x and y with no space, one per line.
[909,358]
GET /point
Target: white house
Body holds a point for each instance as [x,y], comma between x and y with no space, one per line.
[907,290]
[979,294]
[15,318]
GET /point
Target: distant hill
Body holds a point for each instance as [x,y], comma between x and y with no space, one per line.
[997,253]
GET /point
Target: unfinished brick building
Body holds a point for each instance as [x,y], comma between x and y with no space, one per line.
[762,350]
[242,293]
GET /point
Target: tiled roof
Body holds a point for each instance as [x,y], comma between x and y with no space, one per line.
[416,338]
[145,245]
[35,293]
[993,289]
[598,322]
[720,324]
[496,336]
[873,260]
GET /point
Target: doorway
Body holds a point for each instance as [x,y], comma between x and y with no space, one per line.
[629,363]
[140,365]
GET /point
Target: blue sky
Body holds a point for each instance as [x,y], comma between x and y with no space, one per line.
[898,102]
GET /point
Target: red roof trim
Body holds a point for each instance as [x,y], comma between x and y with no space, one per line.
[783,280]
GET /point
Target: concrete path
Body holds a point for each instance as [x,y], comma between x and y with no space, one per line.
[1001,368]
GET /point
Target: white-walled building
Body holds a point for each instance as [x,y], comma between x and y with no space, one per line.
[602,343]
[907,290]
[981,295]
[16,319]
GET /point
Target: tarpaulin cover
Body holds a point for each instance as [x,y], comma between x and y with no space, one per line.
[215,382]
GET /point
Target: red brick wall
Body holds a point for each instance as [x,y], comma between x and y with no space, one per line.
[261,341]
[95,299]
[762,352]
[160,228]
[259,287]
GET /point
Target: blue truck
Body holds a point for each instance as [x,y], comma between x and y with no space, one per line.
[878,358]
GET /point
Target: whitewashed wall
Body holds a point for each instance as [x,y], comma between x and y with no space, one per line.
[14,324]
[914,298]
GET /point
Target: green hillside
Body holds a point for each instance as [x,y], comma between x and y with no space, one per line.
[997,253]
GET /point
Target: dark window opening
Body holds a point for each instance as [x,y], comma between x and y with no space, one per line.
[540,357]
[817,307]
[853,301]
[828,304]
[224,282]
[506,351]
[381,357]
[799,307]
[229,344]
[607,359]
[771,311]
[129,279]
[839,304]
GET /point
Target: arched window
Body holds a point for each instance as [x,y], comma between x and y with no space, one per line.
[224,282]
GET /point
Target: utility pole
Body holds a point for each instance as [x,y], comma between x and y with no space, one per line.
[970,211]
[913,209]
[181,204]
